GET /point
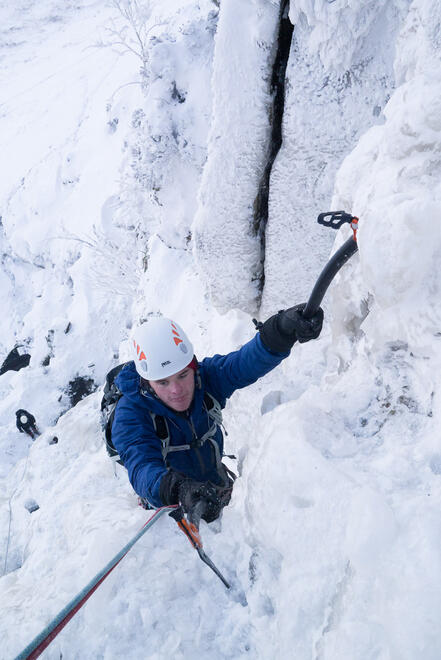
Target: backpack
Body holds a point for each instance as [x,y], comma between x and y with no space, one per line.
[111,396]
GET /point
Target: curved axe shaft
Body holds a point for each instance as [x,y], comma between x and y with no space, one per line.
[345,252]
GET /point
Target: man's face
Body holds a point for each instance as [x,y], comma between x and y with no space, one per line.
[176,391]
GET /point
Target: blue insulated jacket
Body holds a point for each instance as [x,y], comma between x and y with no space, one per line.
[133,432]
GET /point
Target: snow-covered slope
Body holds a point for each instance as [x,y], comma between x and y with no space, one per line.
[64,125]
[332,537]
[237,153]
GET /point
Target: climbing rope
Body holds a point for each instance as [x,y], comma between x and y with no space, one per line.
[37,646]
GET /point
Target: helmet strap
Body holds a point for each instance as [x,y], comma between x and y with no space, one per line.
[145,385]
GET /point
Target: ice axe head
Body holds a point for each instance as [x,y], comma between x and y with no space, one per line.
[335,219]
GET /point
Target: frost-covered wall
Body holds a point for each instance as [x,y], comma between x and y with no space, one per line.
[226,241]
[392,179]
[339,78]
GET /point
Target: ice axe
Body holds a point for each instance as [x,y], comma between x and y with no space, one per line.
[190,527]
[334,219]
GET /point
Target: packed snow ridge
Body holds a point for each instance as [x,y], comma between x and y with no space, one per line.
[135,137]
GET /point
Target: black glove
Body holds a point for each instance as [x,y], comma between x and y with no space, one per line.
[281,331]
[198,499]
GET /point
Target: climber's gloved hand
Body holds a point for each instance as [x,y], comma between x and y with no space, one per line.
[293,321]
[280,332]
[198,499]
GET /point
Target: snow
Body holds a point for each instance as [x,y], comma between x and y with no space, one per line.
[332,537]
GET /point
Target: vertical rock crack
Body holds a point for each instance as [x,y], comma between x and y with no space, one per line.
[276,109]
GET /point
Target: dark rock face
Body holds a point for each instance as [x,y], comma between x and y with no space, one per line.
[79,388]
[17,359]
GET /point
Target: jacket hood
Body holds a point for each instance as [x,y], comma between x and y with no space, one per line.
[128,381]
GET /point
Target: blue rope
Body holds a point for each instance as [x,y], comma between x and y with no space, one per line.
[85,593]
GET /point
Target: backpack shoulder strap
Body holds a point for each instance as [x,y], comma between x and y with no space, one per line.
[160,425]
[213,408]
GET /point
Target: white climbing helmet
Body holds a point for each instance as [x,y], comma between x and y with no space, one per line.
[160,348]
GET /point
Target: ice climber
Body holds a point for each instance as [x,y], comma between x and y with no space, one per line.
[26,423]
[167,425]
